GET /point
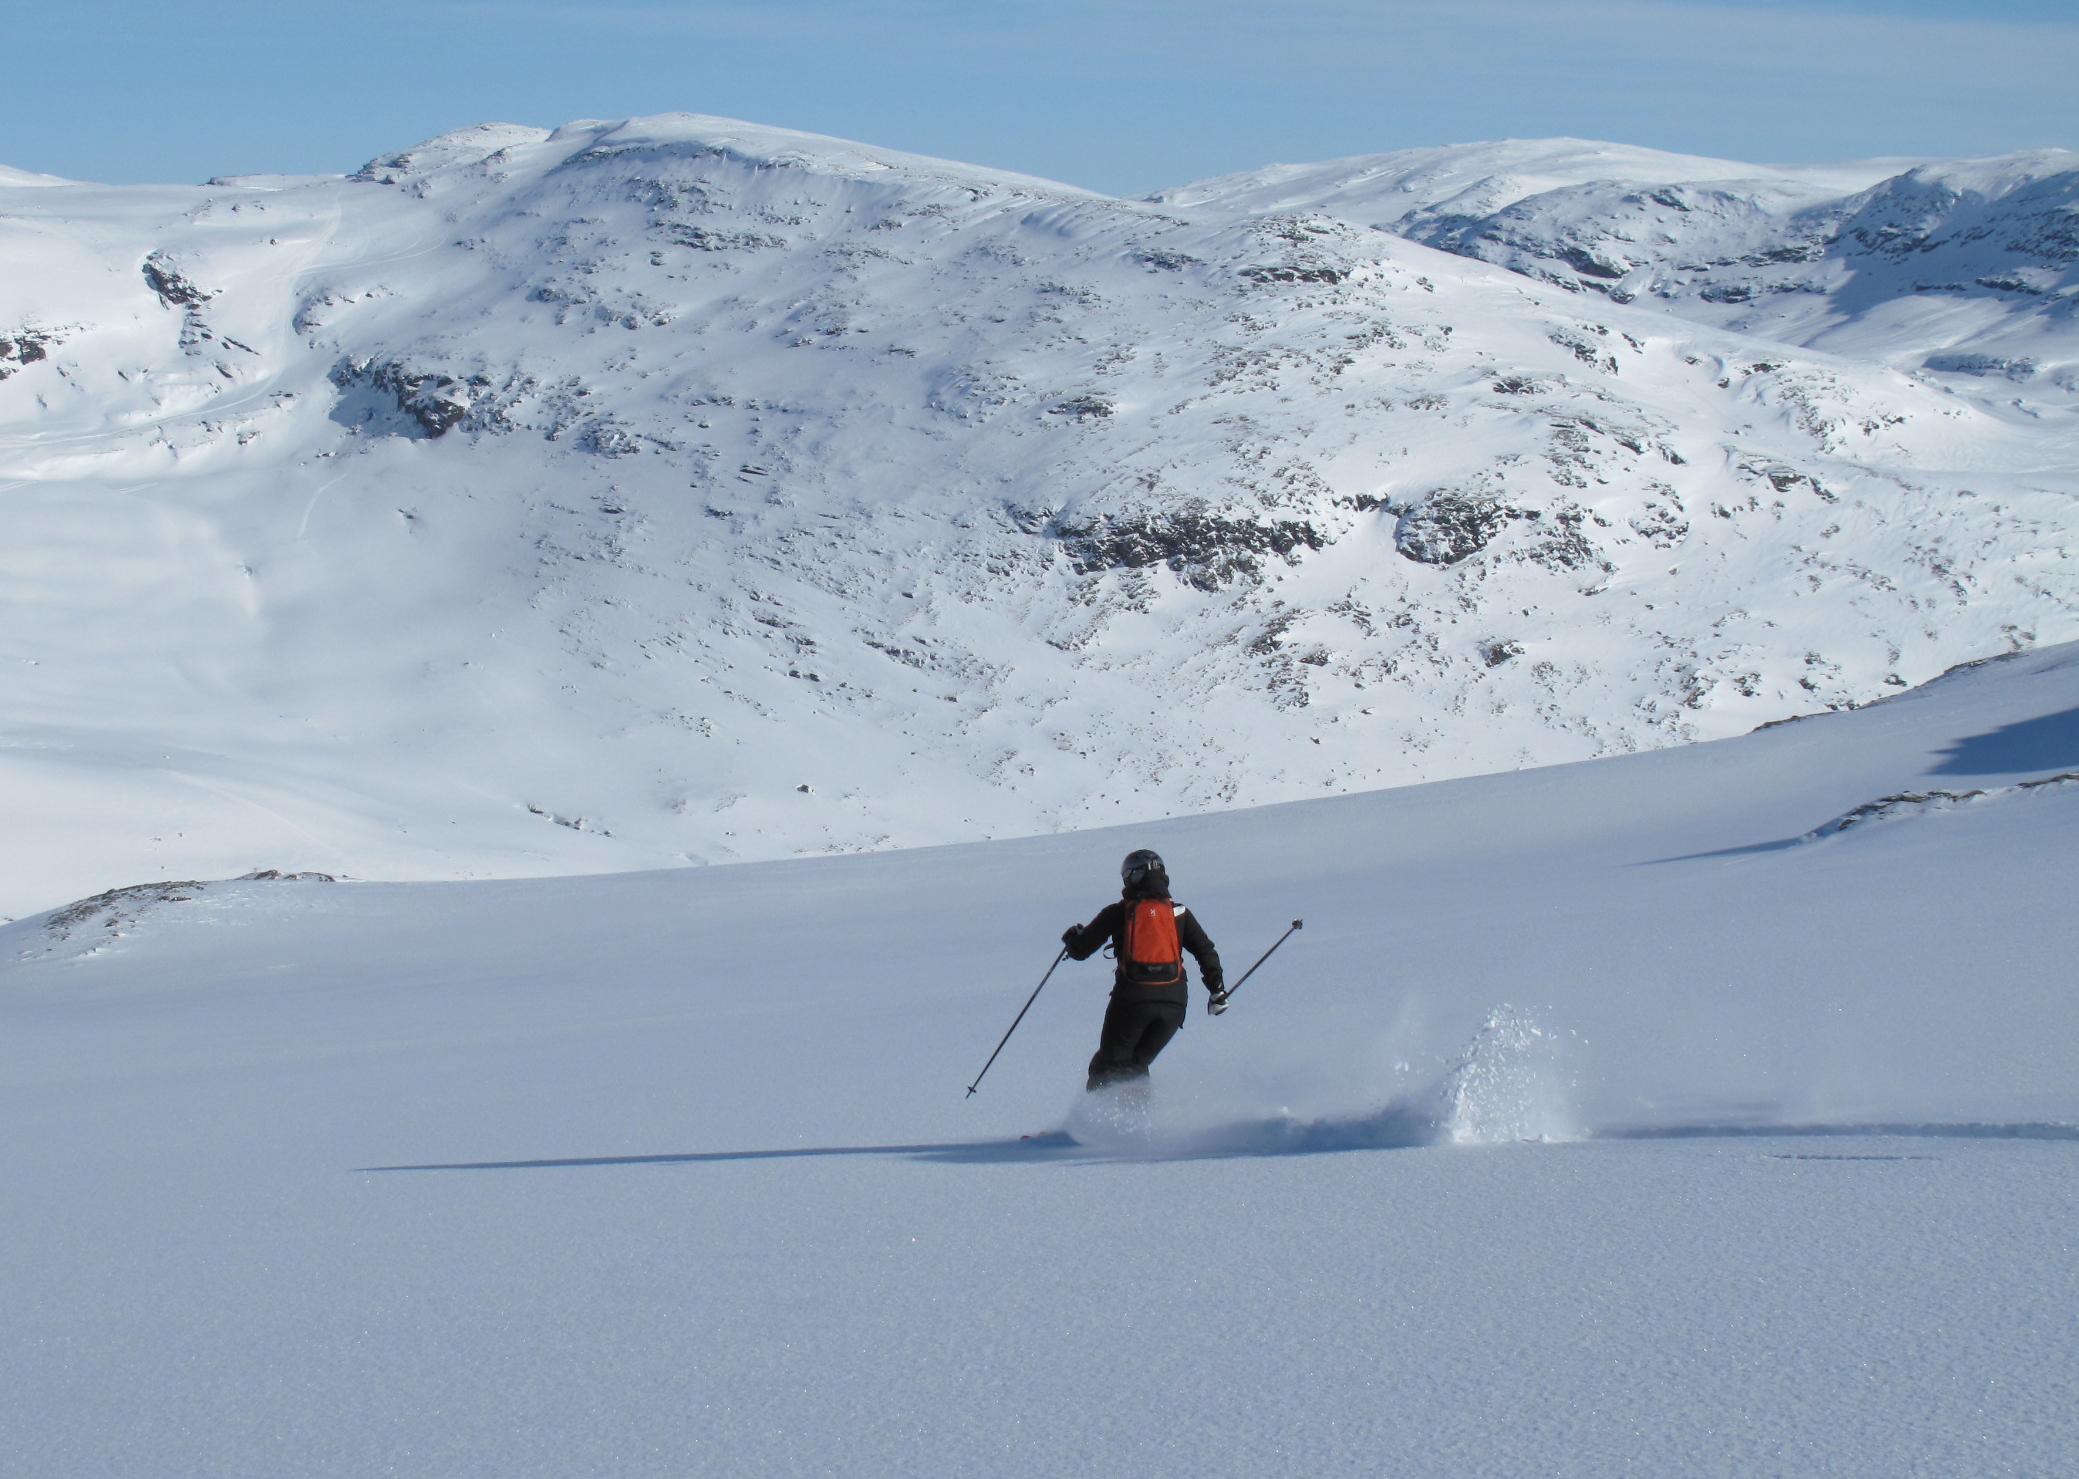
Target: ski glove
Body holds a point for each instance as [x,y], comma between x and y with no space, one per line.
[1216,1003]
[1072,934]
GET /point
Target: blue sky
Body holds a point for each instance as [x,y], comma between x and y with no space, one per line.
[1122,96]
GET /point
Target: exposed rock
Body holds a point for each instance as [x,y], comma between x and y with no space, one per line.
[1207,549]
[1447,527]
[25,346]
[1293,274]
[609,439]
[1921,803]
[1161,261]
[118,906]
[435,401]
[705,239]
[173,288]
[1981,365]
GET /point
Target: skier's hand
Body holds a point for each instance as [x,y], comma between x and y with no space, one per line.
[1216,1003]
[1070,935]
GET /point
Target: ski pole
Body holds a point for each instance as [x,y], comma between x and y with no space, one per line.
[1020,1018]
[1230,991]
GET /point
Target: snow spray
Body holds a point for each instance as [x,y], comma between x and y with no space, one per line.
[1505,1087]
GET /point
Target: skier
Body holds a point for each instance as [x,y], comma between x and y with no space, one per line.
[1148,932]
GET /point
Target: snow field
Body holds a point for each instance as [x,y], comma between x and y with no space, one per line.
[672,1172]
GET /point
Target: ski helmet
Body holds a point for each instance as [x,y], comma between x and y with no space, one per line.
[1140,863]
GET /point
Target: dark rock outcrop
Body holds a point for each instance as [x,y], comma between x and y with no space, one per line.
[1207,549]
[19,347]
[1448,527]
[173,287]
[434,401]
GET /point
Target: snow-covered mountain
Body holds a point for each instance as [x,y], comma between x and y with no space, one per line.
[680,490]
[1962,267]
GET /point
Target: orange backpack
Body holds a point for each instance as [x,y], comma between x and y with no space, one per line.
[1152,956]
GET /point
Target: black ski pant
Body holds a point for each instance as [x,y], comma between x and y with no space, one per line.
[1134,1032]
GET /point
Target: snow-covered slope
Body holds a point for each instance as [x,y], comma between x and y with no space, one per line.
[683,490]
[1957,268]
[683,1180]
[1409,190]
[11,177]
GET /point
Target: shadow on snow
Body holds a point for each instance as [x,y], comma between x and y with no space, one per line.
[2050,742]
[1394,1129]
[2025,1130]
[1779,845]
[1031,1148]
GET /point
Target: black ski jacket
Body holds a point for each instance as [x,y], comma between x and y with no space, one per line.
[1110,928]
